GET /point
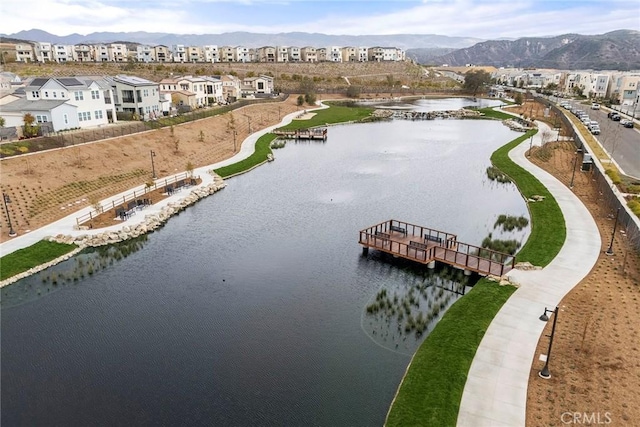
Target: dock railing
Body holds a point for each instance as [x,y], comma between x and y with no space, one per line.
[135,195]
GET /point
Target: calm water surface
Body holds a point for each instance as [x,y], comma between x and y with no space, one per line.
[249,308]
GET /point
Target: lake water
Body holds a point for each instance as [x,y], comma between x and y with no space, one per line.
[250,307]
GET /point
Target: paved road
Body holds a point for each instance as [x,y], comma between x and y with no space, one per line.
[623,144]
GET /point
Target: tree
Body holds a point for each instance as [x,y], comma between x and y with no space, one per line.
[29,129]
[300,100]
[2,122]
[353,91]
[518,98]
[474,81]
[310,98]
[189,168]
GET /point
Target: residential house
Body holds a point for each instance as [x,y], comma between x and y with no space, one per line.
[82,53]
[257,85]
[242,54]
[43,52]
[213,90]
[162,53]
[145,53]
[626,89]
[334,54]
[191,90]
[363,54]
[24,52]
[378,54]
[602,86]
[294,54]
[227,54]
[309,54]
[118,52]
[266,54]
[350,54]
[231,87]
[136,95]
[211,54]
[322,54]
[179,53]
[62,53]
[282,54]
[64,102]
[101,53]
[194,54]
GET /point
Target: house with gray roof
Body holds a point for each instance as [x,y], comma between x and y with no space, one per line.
[136,95]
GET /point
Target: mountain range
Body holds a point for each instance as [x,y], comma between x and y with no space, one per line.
[616,50]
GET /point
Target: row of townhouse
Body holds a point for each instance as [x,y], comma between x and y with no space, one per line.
[118,52]
[619,85]
[89,101]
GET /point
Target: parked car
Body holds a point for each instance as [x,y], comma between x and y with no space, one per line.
[612,114]
[595,130]
[595,106]
[616,117]
[626,123]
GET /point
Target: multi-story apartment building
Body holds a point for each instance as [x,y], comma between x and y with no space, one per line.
[294,54]
[308,54]
[363,54]
[100,53]
[211,53]
[242,54]
[213,90]
[227,54]
[267,54]
[350,54]
[145,53]
[179,53]
[194,54]
[82,53]
[334,54]
[136,95]
[282,54]
[43,52]
[24,52]
[118,52]
[162,53]
[63,53]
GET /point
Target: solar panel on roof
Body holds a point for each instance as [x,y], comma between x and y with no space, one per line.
[67,81]
[38,82]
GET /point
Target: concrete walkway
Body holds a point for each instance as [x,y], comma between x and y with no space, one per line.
[495,393]
[66,225]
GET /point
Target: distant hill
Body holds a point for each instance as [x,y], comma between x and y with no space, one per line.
[427,55]
[616,50]
[403,41]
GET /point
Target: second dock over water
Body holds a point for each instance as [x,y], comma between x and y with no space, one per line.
[426,246]
[315,133]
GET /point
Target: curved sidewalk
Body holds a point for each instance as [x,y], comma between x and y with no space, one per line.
[495,393]
[66,225]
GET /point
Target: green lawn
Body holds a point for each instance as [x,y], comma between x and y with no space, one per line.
[32,256]
[548,231]
[335,114]
[432,388]
[259,155]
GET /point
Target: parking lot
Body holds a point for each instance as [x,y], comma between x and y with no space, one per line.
[622,143]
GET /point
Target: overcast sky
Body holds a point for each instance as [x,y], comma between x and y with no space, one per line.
[486,19]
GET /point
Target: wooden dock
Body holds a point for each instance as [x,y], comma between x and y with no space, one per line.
[426,246]
[315,133]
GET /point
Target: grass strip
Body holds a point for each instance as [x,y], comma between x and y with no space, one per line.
[548,230]
[335,114]
[32,256]
[262,149]
[494,114]
[431,391]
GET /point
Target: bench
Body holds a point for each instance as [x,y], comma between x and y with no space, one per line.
[383,235]
[418,245]
[436,239]
[398,229]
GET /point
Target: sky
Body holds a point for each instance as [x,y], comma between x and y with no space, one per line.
[484,19]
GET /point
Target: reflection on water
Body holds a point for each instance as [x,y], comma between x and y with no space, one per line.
[250,307]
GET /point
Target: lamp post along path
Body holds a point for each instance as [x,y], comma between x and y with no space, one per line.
[613,234]
[6,199]
[153,166]
[544,373]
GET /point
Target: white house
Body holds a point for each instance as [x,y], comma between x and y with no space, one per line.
[261,84]
[230,87]
[136,95]
[43,52]
[179,53]
[213,90]
[210,53]
[118,52]
[145,53]
[24,52]
[101,53]
[63,53]
[66,102]
[334,54]
[242,54]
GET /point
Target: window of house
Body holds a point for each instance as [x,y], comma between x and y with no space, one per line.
[84,116]
[145,92]
[95,94]
[35,94]
[46,94]
[98,114]
[40,118]
[65,117]
[147,110]
[79,96]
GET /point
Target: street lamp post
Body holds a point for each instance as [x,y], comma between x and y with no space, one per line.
[7,200]
[234,140]
[573,172]
[530,146]
[153,166]
[613,234]
[544,373]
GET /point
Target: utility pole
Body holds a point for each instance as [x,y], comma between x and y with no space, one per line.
[6,199]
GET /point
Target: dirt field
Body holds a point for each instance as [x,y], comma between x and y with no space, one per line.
[595,369]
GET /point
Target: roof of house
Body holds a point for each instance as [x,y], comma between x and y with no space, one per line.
[24,104]
[131,80]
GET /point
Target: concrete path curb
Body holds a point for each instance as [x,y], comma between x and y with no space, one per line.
[495,393]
